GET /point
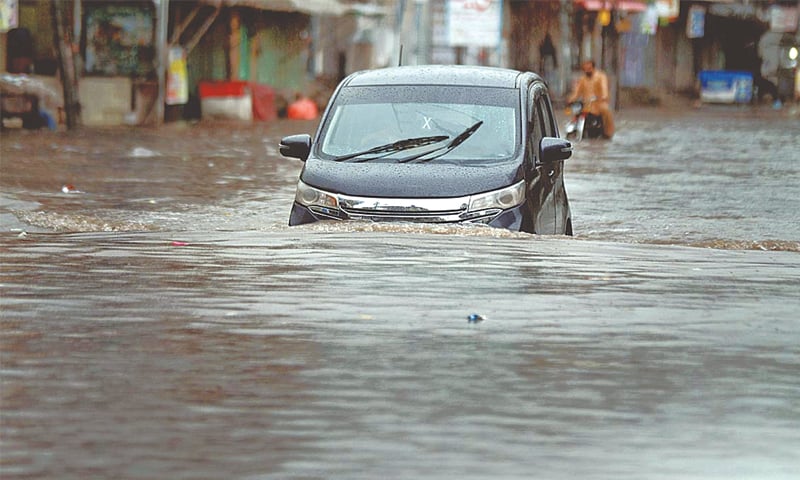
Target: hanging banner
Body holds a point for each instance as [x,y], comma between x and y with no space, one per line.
[474,23]
[783,19]
[696,22]
[9,15]
[177,77]
[650,21]
[669,9]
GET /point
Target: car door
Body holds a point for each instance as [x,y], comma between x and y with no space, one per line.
[541,179]
[560,202]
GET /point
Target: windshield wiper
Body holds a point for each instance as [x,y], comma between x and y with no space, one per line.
[390,148]
[452,144]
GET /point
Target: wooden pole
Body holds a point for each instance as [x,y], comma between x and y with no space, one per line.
[161,53]
[63,44]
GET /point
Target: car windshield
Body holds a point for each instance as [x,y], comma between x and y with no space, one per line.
[422,124]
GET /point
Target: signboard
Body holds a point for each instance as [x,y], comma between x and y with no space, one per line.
[783,19]
[119,39]
[9,15]
[177,77]
[696,22]
[474,23]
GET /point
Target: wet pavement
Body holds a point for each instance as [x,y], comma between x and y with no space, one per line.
[160,320]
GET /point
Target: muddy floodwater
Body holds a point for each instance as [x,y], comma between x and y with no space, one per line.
[159,320]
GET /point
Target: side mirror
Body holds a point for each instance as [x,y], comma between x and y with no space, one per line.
[296,146]
[553,149]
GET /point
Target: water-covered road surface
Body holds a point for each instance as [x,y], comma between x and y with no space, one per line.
[159,320]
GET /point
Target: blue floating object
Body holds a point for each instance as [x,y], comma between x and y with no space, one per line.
[475,318]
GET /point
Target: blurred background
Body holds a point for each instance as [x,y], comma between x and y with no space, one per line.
[153,61]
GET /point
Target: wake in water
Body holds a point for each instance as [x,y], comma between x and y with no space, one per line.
[693,179]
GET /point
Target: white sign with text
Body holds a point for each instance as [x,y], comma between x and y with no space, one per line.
[474,23]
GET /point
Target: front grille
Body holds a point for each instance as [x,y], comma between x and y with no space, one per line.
[405,209]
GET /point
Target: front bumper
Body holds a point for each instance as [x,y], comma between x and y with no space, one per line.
[511,219]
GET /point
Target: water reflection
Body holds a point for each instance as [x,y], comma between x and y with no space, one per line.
[698,180]
[305,353]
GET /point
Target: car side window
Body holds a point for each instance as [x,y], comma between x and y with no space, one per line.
[546,112]
[535,125]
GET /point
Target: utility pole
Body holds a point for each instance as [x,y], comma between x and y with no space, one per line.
[565,64]
[615,54]
[161,60]
[69,82]
[422,24]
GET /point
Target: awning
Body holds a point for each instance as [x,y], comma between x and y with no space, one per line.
[624,5]
[311,7]
[733,10]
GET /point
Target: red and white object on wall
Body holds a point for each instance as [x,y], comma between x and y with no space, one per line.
[226,99]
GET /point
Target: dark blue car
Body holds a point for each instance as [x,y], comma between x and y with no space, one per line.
[438,144]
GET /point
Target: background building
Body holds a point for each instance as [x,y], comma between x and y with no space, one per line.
[129,53]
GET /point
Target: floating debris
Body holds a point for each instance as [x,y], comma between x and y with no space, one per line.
[142,152]
[475,318]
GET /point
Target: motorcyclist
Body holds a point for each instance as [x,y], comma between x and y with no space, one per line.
[592,89]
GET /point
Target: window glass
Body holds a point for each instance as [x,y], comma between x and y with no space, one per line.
[534,125]
[365,117]
[548,125]
[541,122]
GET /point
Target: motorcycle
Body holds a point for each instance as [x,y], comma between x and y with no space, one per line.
[582,123]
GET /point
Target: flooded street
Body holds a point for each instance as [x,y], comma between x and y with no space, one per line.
[158,319]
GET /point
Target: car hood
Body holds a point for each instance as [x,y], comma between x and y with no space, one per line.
[403,180]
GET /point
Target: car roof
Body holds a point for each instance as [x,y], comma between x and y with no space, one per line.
[439,75]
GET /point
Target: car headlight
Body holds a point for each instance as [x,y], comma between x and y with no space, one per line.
[503,199]
[313,197]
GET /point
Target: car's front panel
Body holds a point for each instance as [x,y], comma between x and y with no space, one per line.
[410,180]
[313,204]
